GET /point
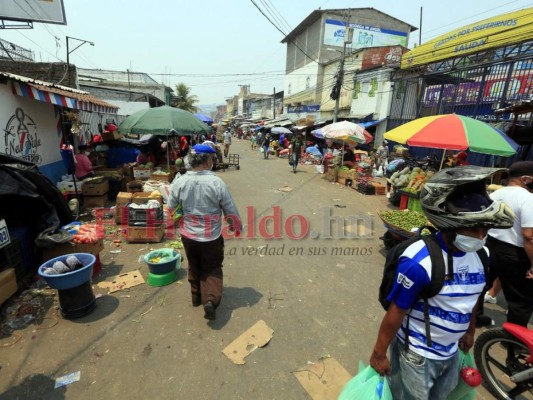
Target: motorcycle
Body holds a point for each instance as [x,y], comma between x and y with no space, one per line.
[504,357]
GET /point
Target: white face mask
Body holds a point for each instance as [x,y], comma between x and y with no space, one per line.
[468,244]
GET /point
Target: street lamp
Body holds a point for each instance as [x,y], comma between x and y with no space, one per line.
[340,76]
[75,48]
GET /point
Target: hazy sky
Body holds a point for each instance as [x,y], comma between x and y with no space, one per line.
[214,46]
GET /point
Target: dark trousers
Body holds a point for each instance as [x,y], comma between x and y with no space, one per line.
[511,264]
[205,269]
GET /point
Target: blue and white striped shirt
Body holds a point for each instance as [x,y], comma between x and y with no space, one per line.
[450,310]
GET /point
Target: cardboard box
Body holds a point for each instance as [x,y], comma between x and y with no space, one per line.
[95,201]
[142,173]
[143,197]
[145,234]
[69,248]
[331,175]
[342,174]
[8,284]
[162,177]
[123,198]
[95,189]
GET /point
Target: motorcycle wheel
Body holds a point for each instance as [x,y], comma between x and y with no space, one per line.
[499,355]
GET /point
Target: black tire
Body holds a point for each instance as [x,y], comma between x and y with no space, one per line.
[238,167]
[491,353]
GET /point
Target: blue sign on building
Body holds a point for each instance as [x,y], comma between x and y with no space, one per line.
[304,108]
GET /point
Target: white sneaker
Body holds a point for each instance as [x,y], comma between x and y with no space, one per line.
[489,299]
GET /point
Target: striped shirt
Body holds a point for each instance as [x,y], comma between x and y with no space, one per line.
[450,310]
[203,197]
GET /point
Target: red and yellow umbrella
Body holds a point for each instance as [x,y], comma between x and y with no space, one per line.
[454,132]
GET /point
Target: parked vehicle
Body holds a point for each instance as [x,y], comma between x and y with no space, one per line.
[504,357]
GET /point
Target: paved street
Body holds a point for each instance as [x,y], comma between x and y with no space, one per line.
[318,295]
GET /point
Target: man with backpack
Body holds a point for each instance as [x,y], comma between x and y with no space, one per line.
[431,288]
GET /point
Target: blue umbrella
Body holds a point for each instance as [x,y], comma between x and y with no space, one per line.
[203,118]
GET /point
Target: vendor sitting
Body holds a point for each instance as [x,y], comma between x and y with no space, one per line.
[461,159]
[84,166]
[145,156]
[348,157]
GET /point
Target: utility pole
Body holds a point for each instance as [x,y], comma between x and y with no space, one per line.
[83,41]
[274,104]
[340,77]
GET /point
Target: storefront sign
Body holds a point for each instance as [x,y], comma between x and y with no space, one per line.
[363,35]
[382,56]
[304,108]
[490,33]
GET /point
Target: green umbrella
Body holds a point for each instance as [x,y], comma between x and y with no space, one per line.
[161,121]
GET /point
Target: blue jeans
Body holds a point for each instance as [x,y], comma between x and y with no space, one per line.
[265,153]
[414,377]
[295,159]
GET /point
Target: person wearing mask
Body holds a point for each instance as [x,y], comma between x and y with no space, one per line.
[424,356]
[84,166]
[200,198]
[295,151]
[512,249]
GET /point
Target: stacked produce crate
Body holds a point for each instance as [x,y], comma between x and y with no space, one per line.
[94,192]
[145,225]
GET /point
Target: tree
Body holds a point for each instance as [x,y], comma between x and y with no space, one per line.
[184,99]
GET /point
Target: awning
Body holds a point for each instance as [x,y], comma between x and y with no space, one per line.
[59,95]
[371,123]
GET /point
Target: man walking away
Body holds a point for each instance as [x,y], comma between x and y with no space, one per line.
[201,197]
[424,335]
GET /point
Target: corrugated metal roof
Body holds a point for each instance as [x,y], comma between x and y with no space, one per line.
[79,95]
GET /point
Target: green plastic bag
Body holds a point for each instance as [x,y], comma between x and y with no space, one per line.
[462,391]
[366,385]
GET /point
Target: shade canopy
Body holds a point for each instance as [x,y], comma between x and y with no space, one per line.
[454,132]
[347,132]
[280,130]
[204,118]
[162,121]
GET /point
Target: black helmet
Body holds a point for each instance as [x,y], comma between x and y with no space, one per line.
[457,198]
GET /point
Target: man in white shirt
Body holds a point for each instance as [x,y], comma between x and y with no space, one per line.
[200,198]
[512,249]
[226,136]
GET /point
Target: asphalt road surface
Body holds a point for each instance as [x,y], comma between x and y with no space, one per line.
[317,293]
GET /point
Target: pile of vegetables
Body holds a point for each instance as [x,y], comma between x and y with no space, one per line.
[404,219]
[88,233]
[410,180]
[148,165]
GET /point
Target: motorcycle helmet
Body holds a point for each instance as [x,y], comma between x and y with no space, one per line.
[457,198]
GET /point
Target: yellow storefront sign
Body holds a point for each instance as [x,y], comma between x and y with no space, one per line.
[490,33]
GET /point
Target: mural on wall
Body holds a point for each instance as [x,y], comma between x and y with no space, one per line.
[21,139]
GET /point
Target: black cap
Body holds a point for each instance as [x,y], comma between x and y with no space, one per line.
[521,168]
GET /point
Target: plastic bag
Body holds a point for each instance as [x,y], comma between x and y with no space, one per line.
[261,149]
[462,391]
[366,385]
